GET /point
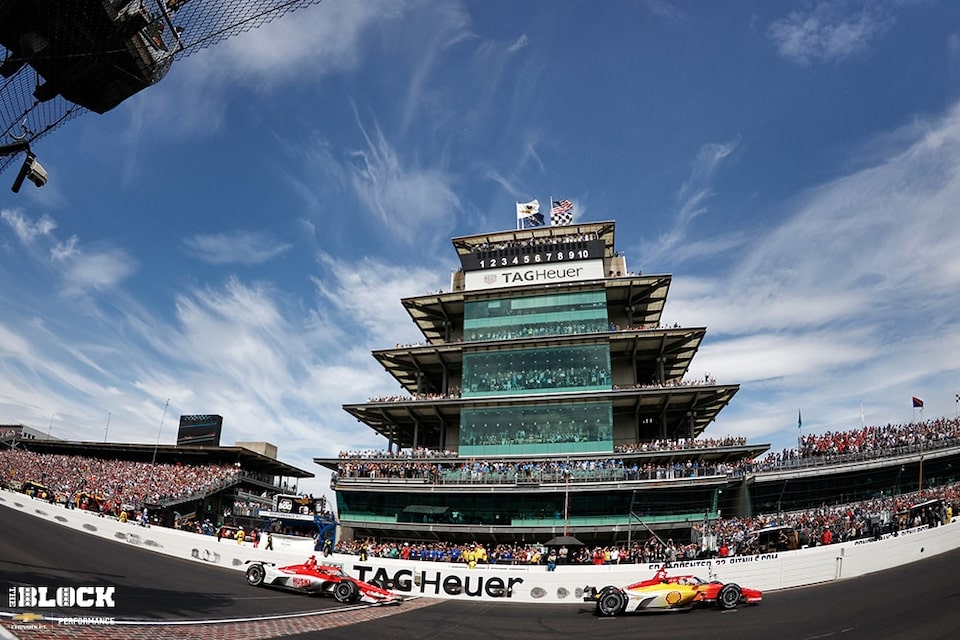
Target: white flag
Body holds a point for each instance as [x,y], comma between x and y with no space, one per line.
[527,209]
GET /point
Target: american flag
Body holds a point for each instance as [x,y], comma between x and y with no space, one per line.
[561,213]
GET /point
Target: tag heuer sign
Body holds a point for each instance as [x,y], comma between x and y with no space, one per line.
[534,275]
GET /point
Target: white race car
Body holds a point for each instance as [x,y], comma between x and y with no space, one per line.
[318,579]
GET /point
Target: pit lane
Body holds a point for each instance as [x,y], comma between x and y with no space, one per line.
[162,597]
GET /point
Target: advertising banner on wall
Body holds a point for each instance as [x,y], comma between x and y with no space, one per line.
[534,275]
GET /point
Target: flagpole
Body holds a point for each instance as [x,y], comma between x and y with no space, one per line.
[920,479]
[799,426]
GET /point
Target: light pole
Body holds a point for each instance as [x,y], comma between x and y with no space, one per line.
[920,479]
[159,430]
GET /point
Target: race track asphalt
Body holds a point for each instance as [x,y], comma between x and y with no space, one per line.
[161,597]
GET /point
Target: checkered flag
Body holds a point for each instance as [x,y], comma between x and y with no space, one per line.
[561,213]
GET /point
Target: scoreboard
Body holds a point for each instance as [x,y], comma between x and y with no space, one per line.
[202,430]
[526,255]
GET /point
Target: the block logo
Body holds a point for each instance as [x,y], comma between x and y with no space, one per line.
[96,597]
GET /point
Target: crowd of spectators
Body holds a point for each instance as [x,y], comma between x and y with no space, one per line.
[454,392]
[120,483]
[499,379]
[446,466]
[570,377]
[814,449]
[657,445]
[866,442]
[402,454]
[545,329]
[668,384]
[480,470]
[721,538]
[536,330]
[533,242]
[111,484]
[681,444]
[565,430]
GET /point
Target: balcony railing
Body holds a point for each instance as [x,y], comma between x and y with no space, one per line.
[835,459]
[537,478]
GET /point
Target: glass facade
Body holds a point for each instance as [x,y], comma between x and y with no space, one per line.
[540,428]
[540,508]
[534,316]
[862,484]
[542,370]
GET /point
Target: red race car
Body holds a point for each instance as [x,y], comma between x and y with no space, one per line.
[318,579]
[709,592]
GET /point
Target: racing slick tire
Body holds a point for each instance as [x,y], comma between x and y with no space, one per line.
[729,596]
[611,602]
[346,592]
[255,575]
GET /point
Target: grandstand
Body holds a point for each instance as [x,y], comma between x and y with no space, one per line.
[549,399]
[174,482]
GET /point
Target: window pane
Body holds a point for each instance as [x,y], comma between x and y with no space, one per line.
[545,370]
[545,428]
[534,316]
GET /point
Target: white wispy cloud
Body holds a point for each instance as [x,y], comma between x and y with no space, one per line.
[98,267]
[857,286]
[316,40]
[26,229]
[277,367]
[692,198]
[236,247]
[410,201]
[829,31]
[299,47]
[374,303]
[663,9]
[97,270]
[953,48]
[449,25]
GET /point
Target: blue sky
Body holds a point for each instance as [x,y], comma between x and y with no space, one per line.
[237,238]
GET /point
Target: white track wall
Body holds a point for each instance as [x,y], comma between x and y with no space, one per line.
[518,583]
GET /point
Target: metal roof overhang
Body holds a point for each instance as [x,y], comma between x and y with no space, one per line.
[677,408]
[164,453]
[673,407]
[674,347]
[641,297]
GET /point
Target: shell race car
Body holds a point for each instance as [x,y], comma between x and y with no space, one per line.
[318,579]
[669,593]
[716,593]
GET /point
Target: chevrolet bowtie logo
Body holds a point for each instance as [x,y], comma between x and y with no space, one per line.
[27,617]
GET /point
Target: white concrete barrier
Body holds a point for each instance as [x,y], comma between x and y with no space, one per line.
[520,583]
[181,544]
